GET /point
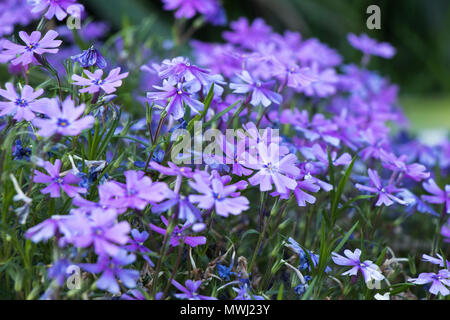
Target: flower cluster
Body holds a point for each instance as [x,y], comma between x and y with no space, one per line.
[101,154]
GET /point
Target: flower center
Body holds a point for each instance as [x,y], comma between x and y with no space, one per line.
[63,123]
[32,46]
[21,103]
[58,180]
[98,82]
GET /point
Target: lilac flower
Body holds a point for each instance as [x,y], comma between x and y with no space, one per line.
[260,91]
[317,152]
[244,294]
[19,54]
[179,69]
[64,121]
[57,181]
[445,231]
[137,192]
[248,35]
[59,271]
[135,294]
[137,244]
[369,270]
[438,281]
[439,260]
[438,195]
[24,105]
[89,58]
[370,46]
[414,171]
[385,193]
[94,83]
[272,169]
[178,234]
[100,229]
[305,263]
[188,8]
[217,195]
[189,292]
[186,210]
[57,8]
[174,96]
[112,268]
[46,229]
[325,84]
[172,170]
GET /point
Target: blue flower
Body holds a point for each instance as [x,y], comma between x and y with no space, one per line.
[224,271]
[90,57]
[19,152]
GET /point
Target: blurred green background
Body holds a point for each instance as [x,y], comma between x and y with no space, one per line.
[419,29]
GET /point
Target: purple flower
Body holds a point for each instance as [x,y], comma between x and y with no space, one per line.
[248,35]
[137,192]
[325,84]
[369,270]
[100,229]
[370,46]
[186,210]
[445,231]
[317,152]
[57,181]
[188,8]
[172,170]
[178,234]
[272,169]
[385,195]
[177,96]
[24,105]
[439,260]
[414,171]
[57,8]
[112,268]
[217,195]
[19,54]
[135,294]
[46,229]
[89,58]
[94,83]
[244,294]
[137,244]
[438,195]
[260,91]
[190,290]
[438,281]
[65,121]
[179,69]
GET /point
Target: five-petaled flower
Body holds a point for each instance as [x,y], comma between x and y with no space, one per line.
[65,121]
[369,270]
[57,180]
[95,82]
[23,105]
[34,45]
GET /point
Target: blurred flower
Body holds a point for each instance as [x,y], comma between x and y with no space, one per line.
[370,46]
[65,120]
